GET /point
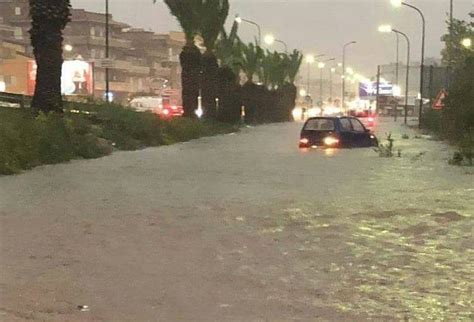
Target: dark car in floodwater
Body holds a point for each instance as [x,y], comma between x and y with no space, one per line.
[336,132]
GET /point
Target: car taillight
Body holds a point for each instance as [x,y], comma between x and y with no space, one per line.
[166,111]
[371,119]
[304,141]
[330,141]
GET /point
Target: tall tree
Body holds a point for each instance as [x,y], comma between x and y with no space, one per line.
[48,20]
[187,13]
[454,53]
[213,14]
[253,95]
[228,52]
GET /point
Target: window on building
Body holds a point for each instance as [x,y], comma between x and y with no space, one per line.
[92,31]
[17,11]
[93,53]
[10,80]
[18,33]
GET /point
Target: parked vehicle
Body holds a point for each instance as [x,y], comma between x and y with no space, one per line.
[336,132]
[156,105]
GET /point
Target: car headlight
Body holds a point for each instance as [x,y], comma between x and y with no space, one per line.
[304,141]
[330,141]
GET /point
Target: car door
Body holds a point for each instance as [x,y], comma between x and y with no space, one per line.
[360,136]
[345,132]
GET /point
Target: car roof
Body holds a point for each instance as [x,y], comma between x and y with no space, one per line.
[329,117]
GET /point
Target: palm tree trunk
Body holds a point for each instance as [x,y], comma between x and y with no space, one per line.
[49,17]
[229,93]
[210,69]
[190,59]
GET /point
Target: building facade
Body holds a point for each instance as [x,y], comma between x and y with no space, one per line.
[139,61]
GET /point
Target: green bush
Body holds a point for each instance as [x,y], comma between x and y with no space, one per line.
[432,120]
[26,142]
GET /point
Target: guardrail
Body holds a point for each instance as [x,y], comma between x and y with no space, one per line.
[11,99]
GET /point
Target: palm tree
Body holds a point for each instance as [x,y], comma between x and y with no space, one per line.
[278,72]
[48,20]
[253,95]
[213,14]
[228,51]
[289,92]
[187,13]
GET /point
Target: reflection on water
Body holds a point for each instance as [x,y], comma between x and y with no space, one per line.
[329,152]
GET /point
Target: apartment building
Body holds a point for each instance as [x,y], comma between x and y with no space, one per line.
[139,61]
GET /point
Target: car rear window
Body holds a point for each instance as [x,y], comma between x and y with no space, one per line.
[319,125]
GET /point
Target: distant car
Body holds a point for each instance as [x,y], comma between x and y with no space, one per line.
[158,106]
[336,132]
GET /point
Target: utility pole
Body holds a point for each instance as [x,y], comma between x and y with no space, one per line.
[107,87]
[395,110]
[378,90]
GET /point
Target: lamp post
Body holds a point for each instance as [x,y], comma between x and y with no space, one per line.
[399,3]
[332,71]
[270,40]
[239,20]
[451,12]
[343,70]
[107,85]
[310,60]
[321,66]
[387,29]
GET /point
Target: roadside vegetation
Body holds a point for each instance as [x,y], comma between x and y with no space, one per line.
[216,58]
[455,122]
[95,131]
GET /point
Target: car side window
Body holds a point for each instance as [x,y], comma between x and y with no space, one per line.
[357,125]
[346,125]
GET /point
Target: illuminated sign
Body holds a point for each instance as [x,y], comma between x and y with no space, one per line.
[369,88]
[77,77]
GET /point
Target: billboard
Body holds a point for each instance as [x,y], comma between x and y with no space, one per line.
[369,88]
[77,77]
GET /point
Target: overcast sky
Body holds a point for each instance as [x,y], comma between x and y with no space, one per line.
[318,26]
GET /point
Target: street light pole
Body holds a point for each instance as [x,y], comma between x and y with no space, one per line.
[407,72]
[344,71]
[387,29]
[239,19]
[270,40]
[451,13]
[321,66]
[107,87]
[332,70]
[395,110]
[398,3]
[283,43]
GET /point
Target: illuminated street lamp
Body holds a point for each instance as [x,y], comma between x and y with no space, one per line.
[310,59]
[349,71]
[270,40]
[466,42]
[343,69]
[321,66]
[68,47]
[398,4]
[239,20]
[387,29]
